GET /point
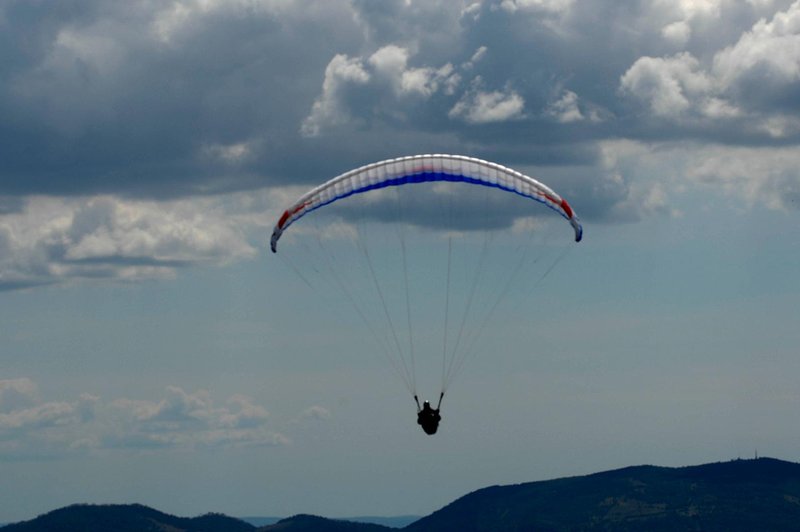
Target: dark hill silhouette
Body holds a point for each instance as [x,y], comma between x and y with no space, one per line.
[762,494]
[139,518]
[312,523]
[125,518]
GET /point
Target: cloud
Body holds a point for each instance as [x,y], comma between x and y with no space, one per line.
[679,31]
[753,176]
[566,109]
[479,54]
[412,24]
[125,99]
[631,182]
[752,81]
[180,420]
[536,6]
[669,86]
[352,82]
[17,393]
[44,415]
[477,106]
[391,63]
[642,180]
[54,240]
[769,43]
[764,64]
[330,109]
[10,205]
[132,132]
[29,425]
[188,420]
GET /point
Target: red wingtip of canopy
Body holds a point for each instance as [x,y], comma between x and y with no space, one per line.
[567,208]
[284,217]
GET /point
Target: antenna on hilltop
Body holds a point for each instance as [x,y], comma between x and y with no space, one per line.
[756,454]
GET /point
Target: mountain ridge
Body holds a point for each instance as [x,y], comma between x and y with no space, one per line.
[734,495]
[750,494]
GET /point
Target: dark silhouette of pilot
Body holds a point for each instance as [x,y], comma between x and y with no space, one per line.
[428,418]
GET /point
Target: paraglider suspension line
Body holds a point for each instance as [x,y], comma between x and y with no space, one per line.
[446,312]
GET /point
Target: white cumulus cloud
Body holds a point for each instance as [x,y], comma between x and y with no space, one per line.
[566,108]
[770,51]
[56,240]
[180,420]
[478,106]
[386,73]
[668,85]
[329,108]
[752,79]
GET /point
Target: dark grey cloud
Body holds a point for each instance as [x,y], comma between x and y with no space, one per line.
[145,98]
[159,100]
[552,87]
[551,82]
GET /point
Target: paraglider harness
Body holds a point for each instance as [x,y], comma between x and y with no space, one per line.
[427,417]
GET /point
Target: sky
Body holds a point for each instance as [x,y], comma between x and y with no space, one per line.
[153,350]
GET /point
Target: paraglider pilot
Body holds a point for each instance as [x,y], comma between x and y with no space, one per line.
[427,417]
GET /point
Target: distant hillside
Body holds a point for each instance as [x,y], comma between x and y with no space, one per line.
[398,521]
[761,494]
[312,523]
[138,518]
[125,518]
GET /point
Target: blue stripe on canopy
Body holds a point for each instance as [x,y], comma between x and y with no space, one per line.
[426,177]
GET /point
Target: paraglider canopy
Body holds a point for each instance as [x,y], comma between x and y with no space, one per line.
[458,218]
[420,169]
